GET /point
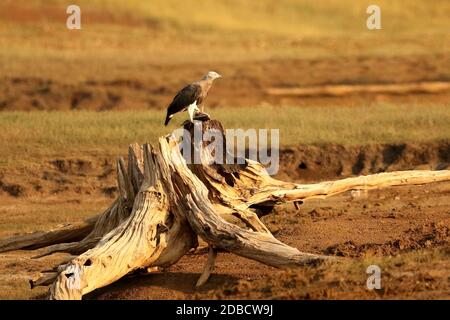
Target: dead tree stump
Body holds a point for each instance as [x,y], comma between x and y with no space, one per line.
[165,204]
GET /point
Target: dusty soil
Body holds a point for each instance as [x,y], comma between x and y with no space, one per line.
[244,84]
[404,230]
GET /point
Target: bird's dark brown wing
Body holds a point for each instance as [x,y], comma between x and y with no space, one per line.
[184,98]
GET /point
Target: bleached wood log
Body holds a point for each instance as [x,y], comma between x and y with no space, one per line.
[45,279]
[191,195]
[36,240]
[164,204]
[271,191]
[250,188]
[151,236]
[209,267]
[78,238]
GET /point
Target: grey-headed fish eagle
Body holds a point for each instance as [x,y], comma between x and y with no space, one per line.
[191,97]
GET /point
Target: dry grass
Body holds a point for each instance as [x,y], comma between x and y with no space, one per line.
[28,137]
[120,38]
[15,213]
[420,274]
[287,17]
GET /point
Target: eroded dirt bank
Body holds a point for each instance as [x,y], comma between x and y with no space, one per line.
[244,84]
[95,175]
[313,163]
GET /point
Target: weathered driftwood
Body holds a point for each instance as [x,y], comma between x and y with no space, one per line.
[80,237]
[36,240]
[151,236]
[164,204]
[209,267]
[343,90]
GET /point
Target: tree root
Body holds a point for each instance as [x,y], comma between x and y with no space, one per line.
[164,205]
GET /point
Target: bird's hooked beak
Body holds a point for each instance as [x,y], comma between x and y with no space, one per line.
[212,75]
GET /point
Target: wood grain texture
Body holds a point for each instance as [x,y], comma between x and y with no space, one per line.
[165,204]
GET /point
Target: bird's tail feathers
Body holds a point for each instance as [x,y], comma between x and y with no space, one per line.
[168,117]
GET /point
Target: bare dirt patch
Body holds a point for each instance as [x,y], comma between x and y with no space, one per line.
[244,84]
[424,236]
[411,247]
[419,275]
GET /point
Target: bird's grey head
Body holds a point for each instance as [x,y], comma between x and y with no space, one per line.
[212,75]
